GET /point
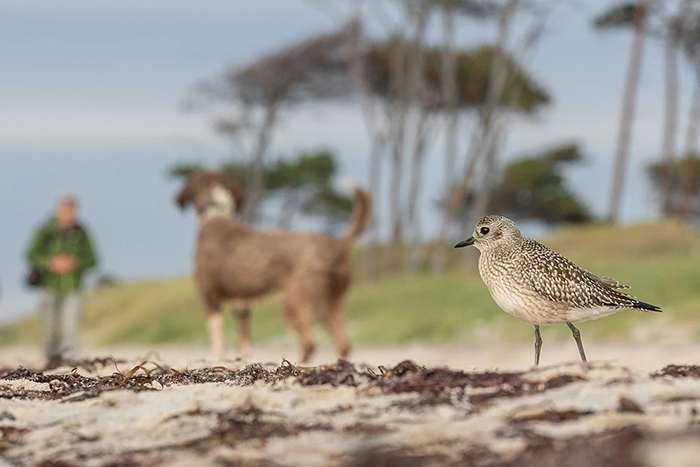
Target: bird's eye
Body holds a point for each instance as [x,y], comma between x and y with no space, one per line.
[484,230]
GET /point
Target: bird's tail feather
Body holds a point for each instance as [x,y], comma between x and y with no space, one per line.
[645,306]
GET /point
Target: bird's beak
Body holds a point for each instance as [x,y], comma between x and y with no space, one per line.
[467,242]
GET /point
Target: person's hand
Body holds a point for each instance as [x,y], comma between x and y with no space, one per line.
[62,264]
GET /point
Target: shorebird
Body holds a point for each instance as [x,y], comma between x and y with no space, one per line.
[534,283]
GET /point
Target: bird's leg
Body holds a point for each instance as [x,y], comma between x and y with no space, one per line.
[538,345]
[577,338]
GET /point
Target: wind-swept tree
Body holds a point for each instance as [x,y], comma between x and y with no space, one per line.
[480,166]
[248,102]
[665,23]
[400,126]
[523,93]
[620,12]
[409,86]
[472,72]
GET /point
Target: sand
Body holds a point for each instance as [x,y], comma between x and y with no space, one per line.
[489,408]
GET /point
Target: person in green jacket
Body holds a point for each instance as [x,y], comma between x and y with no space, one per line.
[61,251]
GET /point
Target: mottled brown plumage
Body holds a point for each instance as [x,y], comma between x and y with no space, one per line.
[537,284]
[559,280]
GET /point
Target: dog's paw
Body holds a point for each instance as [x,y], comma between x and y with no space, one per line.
[307,352]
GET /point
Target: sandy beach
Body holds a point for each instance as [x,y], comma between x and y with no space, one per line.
[454,405]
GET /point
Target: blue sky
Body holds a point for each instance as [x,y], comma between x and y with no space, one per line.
[91,100]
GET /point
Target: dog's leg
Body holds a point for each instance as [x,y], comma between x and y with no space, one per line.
[242,315]
[299,317]
[335,325]
[215,323]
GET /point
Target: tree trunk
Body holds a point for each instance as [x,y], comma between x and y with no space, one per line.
[668,147]
[395,194]
[290,208]
[262,143]
[498,122]
[450,95]
[489,178]
[376,137]
[416,174]
[691,148]
[628,110]
[498,79]
[422,123]
[398,114]
[435,256]
[416,186]
[407,79]
[373,259]
[459,190]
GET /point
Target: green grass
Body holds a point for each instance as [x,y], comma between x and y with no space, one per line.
[660,261]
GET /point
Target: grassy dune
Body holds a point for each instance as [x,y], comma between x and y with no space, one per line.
[660,261]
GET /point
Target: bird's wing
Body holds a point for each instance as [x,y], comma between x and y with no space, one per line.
[552,276]
[609,281]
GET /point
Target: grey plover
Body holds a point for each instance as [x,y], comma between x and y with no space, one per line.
[534,283]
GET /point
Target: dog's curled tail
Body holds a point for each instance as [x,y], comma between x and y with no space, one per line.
[361,215]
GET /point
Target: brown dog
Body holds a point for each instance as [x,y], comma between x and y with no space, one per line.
[236,263]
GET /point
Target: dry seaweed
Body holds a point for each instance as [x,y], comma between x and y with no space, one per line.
[629,405]
[439,385]
[554,416]
[434,385]
[678,371]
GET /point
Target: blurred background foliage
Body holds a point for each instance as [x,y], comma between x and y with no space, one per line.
[534,187]
[415,85]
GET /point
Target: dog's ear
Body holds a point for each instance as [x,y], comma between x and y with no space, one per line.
[186,195]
